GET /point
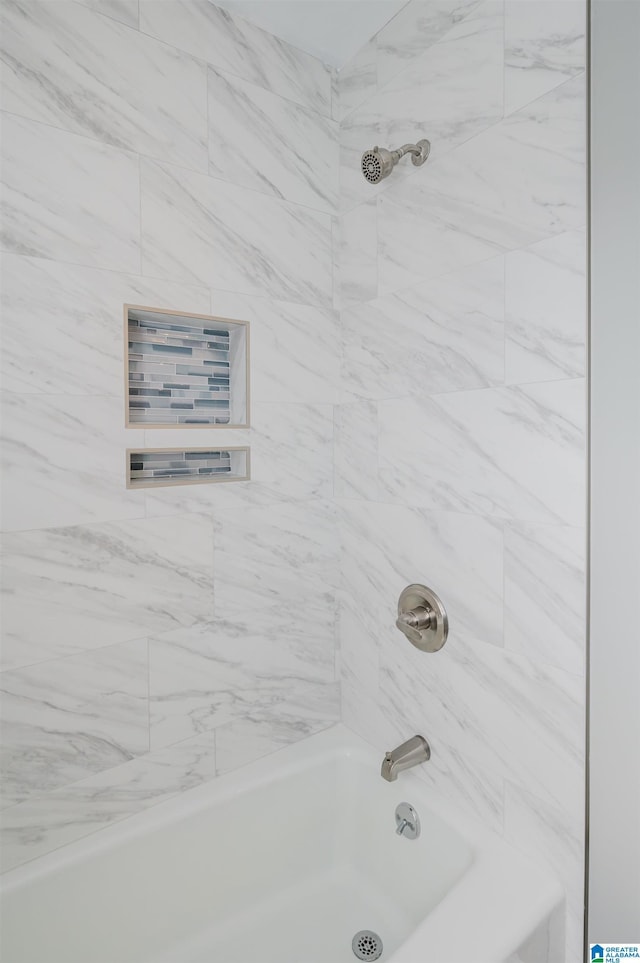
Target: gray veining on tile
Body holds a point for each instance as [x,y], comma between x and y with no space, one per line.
[445,334]
[59,61]
[69,198]
[545,44]
[295,348]
[546,309]
[126,11]
[452,776]
[515,718]
[414,29]
[62,461]
[555,833]
[356,450]
[386,547]
[357,79]
[451,93]
[248,127]
[291,459]
[67,718]
[67,590]
[545,593]
[358,253]
[50,821]
[489,451]
[512,185]
[211,674]
[269,558]
[198,229]
[232,44]
[62,328]
[315,707]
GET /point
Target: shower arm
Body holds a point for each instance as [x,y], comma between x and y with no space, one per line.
[407,149]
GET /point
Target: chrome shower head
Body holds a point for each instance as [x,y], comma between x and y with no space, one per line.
[378,163]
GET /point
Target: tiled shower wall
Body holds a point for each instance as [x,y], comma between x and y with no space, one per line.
[460,445]
[149,641]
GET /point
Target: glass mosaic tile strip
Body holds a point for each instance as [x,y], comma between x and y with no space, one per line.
[168,466]
[185,370]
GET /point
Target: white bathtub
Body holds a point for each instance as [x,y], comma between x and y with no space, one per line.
[280,862]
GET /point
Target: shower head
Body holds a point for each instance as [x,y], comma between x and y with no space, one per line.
[379,162]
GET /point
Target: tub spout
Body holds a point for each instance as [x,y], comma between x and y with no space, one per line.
[411,753]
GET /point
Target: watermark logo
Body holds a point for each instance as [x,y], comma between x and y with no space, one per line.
[614,952]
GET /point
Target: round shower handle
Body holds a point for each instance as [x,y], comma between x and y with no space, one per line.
[422,618]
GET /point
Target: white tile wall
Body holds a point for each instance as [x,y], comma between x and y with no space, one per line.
[146,166]
[460,442]
[444,407]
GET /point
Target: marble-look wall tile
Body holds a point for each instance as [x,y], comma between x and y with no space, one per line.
[515,184]
[358,655]
[555,833]
[265,730]
[62,331]
[291,459]
[488,452]
[335,262]
[59,68]
[448,95]
[47,822]
[69,198]
[545,593]
[198,229]
[268,559]
[63,461]
[248,127]
[443,335]
[356,450]
[295,348]
[67,590]
[452,776]
[357,79]
[387,547]
[513,717]
[211,674]
[473,354]
[358,256]
[546,309]
[126,11]
[72,717]
[545,44]
[414,29]
[292,451]
[239,47]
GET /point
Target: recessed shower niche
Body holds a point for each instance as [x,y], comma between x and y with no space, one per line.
[162,467]
[185,370]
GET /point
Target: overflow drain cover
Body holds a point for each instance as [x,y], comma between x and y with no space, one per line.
[367,945]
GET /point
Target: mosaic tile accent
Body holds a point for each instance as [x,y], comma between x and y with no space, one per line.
[181,369]
[178,466]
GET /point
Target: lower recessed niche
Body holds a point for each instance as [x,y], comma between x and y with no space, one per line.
[185,370]
[161,467]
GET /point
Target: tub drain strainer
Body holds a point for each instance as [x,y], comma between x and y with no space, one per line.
[367,945]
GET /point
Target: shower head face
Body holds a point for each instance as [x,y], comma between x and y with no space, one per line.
[377,164]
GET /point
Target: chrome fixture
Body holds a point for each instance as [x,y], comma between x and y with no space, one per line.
[423,618]
[367,945]
[379,162]
[411,753]
[407,821]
